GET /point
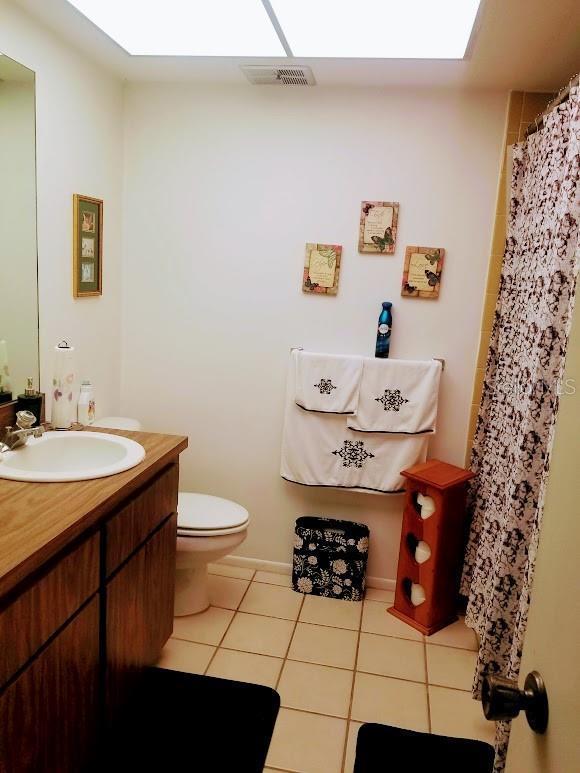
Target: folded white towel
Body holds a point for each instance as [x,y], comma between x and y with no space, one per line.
[328,383]
[397,396]
[319,450]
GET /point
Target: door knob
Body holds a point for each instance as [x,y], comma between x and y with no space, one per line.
[502,699]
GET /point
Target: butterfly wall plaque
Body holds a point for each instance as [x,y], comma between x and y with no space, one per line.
[422,272]
[378,227]
[321,268]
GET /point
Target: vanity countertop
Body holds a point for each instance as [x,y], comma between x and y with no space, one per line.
[37,520]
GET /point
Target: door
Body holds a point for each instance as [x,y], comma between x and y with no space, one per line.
[139,614]
[551,644]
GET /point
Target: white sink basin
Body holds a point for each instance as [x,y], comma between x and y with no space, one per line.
[68,456]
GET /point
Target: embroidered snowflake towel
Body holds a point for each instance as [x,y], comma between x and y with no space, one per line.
[319,450]
[328,383]
[397,396]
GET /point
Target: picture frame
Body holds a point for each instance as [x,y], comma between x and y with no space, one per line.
[422,272]
[87,246]
[378,227]
[321,268]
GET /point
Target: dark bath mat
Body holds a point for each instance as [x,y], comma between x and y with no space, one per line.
[384,749]
[195,724]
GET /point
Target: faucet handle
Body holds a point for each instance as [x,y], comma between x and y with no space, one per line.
[25,419]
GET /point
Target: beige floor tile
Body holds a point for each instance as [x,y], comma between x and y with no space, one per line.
[191,657]
[207,627]
[455,713]
[226,592]
[326,646]
[338,614]
[353,728]
[449,667]
[225,570]
[272,578]
[376,619]
[262,635]
[311,687]
[272,601]
[307,743]
[388,656]
[455,635]
[390,702]
[376,594]
[245,667]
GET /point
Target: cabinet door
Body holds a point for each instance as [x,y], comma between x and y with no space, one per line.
[48,716]
[139,617]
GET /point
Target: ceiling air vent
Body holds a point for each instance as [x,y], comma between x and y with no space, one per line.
[263,75]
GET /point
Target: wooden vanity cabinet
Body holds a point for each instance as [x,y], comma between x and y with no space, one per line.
[75,636]
[50,713]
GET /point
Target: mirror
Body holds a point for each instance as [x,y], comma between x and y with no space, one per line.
[18,255]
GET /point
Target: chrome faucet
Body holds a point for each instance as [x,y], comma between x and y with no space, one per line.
[13,439]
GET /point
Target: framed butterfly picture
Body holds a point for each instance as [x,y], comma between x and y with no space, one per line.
[378,227]
[321,268]
[422,272]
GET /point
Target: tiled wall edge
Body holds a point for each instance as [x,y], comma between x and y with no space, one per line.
[522,108]
[278,567]
[512,119]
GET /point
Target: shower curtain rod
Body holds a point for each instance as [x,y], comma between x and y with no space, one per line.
[562,96]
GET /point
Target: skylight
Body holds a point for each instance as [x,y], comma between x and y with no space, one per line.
[382,29]
[186,27]
[368,29]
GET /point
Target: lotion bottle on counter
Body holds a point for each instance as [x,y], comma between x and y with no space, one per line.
[86,404]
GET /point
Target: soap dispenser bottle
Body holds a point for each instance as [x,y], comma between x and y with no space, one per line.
[30,400]
[384,331]
[86,404]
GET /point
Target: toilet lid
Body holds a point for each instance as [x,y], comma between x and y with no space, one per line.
[201,512]
[118,422]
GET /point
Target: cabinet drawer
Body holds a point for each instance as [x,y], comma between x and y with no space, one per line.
[132,525]
[44,606]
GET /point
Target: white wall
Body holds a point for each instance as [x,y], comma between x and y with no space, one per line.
[18,297]
[223,188]
[79,147]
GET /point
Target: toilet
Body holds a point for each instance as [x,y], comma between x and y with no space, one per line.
[208,528]
[118,422]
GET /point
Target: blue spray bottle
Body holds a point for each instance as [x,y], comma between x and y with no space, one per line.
[384,331]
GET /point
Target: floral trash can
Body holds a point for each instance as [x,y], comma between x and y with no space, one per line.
[330,557]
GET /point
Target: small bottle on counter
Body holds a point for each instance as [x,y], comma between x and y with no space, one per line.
[30,400]
[384,331]
[86,404]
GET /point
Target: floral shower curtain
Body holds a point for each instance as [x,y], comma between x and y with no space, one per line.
[523,381]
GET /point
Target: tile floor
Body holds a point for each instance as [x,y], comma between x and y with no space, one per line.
[335,665]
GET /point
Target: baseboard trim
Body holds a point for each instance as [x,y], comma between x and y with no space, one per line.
[278,567]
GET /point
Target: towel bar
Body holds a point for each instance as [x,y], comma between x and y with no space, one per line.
[301,349]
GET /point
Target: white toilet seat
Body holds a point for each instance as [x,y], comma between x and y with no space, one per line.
[202,515]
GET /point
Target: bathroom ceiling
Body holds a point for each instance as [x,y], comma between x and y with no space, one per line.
[532,45]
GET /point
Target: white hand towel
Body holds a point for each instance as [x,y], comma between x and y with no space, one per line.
[328,383]
[397,396]
[319,450]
